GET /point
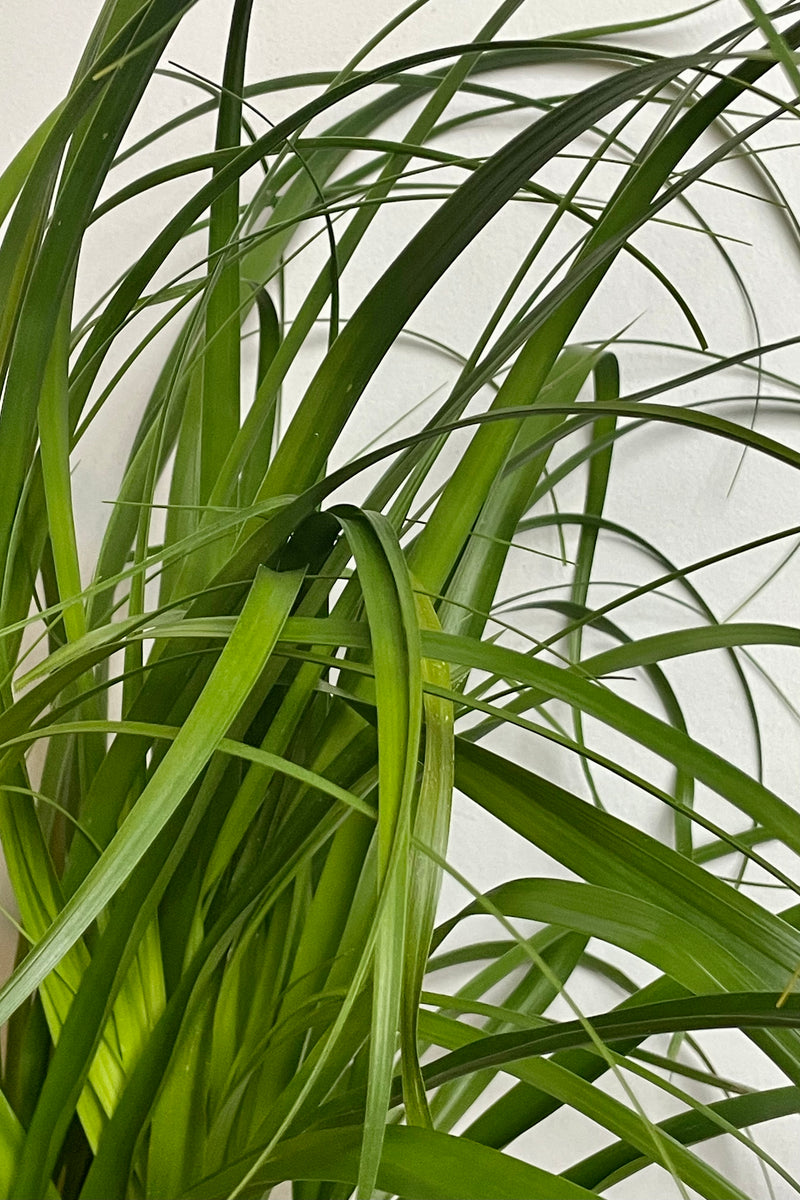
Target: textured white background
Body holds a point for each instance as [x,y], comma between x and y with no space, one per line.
[675,488]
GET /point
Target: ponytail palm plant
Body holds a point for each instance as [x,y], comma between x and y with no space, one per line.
[232,729]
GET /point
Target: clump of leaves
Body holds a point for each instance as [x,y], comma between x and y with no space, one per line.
[230,743]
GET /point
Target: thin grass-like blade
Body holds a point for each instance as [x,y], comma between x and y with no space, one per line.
[415,1162]
[236,672]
